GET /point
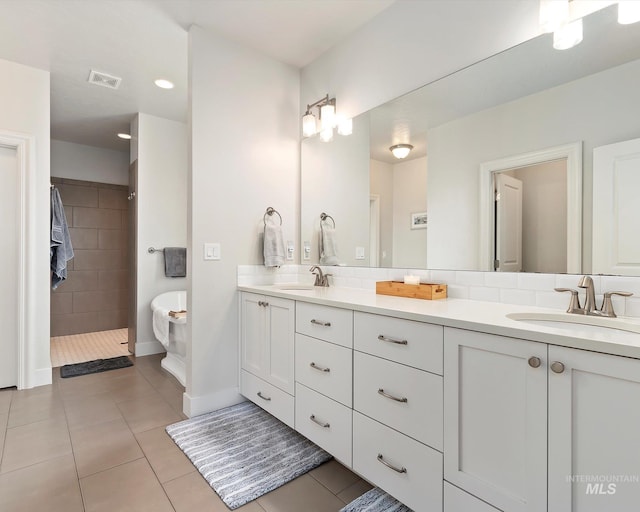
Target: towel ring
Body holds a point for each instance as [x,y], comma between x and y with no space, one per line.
[324,217]
[270,211]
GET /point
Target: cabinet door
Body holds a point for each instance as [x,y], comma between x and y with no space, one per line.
[495,419]
[280,329]
[252,334]
[594,432]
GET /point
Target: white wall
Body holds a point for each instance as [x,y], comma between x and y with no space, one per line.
[411,44]
[336,182]
[244,157]
[24,108]
[162,214]
[409,196]
[88,163]
[381,176]
[595,110]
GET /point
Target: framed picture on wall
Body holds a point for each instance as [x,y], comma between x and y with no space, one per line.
[419,220]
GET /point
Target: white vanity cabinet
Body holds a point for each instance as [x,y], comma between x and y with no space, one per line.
[594,431]
[523,417]
[324,377]
[267,331]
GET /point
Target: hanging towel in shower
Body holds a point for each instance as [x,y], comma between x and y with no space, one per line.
[61,250]
[175,261]
[273,245]
[328,245]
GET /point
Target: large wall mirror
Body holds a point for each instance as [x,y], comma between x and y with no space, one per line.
[541,109]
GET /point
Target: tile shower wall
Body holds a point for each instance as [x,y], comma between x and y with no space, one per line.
[94,296]
[526,289]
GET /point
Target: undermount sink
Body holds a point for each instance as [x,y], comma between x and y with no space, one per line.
[575,322]
[294,286]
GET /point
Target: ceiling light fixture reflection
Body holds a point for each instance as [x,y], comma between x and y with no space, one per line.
[164,84]
[124,136]
[401,151]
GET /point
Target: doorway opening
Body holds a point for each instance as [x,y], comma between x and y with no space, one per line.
[89,310]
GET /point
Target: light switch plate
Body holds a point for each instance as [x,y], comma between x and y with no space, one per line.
[212,251]
[290,250]
[306,253]
[359,253]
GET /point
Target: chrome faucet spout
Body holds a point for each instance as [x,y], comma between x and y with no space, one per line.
[321,279]
[590,298]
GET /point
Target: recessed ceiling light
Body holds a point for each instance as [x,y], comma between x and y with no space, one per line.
[164,84]
[125,136]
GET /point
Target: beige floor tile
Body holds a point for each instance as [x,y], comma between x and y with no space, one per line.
[334,476]
[192,493]
[354,491]
[51,486]
[89,410]
[130,387]
[126,488]
[166,459]
[303,493]
[3,430]
[35,442]
[36,409]
[148,412]
[5,400]
[103,446]
[42,397]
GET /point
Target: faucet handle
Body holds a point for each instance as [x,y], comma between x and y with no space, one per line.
[607,304]
[574,302]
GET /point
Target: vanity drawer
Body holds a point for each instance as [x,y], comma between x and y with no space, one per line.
[457,500]
[331,426]
[325,323]
[325,367]
[408,342]
[270,398]
[419,414]
[419,486]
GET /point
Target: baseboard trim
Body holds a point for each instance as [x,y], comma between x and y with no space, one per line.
[197,405]
[147,348]
[39,377]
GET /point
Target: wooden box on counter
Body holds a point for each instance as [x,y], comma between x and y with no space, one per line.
[426,291]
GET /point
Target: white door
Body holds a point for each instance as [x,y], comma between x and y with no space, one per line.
[10,192]
[495,419]
[616,223]
[594,421]
[508,223]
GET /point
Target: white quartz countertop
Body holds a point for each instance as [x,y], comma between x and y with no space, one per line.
[489,317]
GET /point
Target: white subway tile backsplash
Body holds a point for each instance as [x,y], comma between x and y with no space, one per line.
[501,279]
[522,297]
[470,278]
[484,293]
[510,288]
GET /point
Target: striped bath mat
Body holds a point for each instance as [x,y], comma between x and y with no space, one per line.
[244,452]
[375,500]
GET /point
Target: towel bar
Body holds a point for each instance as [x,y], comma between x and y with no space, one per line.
[151,250]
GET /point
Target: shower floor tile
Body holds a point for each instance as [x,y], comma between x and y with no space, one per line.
[78,348]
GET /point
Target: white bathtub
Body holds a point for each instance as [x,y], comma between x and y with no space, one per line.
[176,348]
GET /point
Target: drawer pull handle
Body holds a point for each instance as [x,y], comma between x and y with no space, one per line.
[391,466]
[259,393]
[315,420]
[387,395]
[319,322]
[382,337]
[263,303]
[319,368]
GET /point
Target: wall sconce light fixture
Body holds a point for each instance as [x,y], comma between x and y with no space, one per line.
[328,120]
[401,150]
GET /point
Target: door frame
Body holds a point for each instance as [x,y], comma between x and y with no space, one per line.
[374,230]
[573,153]
[24,145]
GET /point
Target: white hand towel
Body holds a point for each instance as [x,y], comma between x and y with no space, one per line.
[328,246]
[273,246]
[161,325]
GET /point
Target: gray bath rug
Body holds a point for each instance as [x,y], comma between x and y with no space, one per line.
[375,500]
[99,365]
[244,452]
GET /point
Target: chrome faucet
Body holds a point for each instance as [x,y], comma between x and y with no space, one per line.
[590,298]
[590,307]
[321,279]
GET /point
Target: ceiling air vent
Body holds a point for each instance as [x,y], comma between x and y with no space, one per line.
[98,78]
